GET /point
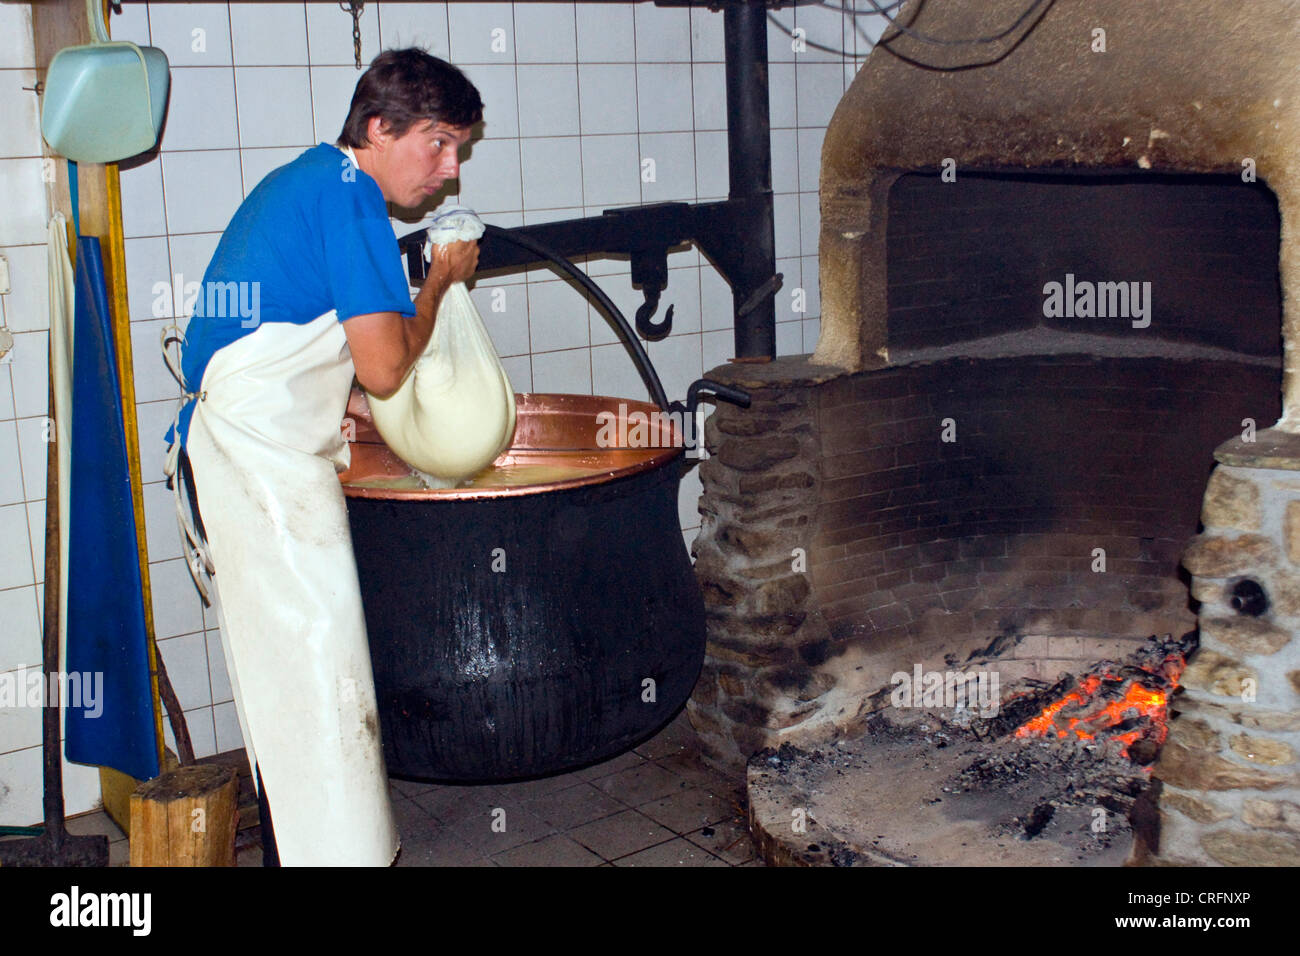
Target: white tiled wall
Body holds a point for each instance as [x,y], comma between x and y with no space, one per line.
[578,97]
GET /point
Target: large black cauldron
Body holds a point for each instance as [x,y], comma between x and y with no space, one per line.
[521,631]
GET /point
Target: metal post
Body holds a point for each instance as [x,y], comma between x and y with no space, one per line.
[749,161]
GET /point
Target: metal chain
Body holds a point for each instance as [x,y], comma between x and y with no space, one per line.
[354,8]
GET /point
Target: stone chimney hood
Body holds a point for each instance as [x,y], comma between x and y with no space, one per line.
[1080,85]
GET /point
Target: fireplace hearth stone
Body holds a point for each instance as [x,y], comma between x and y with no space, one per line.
[1032,774]
[896,796]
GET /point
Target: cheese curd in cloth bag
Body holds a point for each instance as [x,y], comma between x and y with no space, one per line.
[455,411]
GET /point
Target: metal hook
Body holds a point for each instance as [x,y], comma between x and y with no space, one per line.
[645,325]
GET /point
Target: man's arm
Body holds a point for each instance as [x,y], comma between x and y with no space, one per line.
[385,345]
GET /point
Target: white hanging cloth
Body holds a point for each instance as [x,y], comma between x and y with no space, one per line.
[63,287]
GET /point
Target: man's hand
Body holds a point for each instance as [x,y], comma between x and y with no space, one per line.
[451,263]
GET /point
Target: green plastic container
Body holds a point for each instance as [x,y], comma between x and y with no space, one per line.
[104,102]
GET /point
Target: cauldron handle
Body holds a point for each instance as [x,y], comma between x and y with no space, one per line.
[625,333]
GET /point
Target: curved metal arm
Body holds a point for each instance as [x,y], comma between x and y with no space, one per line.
[625,333]
[728,393]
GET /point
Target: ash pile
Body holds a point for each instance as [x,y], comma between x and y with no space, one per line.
[1068,759]
[1037,774]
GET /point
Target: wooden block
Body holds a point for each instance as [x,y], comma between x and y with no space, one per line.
[186,817]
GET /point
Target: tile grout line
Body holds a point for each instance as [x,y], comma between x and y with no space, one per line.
[582,189]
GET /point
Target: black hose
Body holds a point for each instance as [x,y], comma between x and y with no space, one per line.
[625,333]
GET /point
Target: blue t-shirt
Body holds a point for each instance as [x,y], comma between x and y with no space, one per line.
[313,236]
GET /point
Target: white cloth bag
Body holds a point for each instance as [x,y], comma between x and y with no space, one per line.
[455,411]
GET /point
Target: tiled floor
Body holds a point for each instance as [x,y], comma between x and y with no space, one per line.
[657,805]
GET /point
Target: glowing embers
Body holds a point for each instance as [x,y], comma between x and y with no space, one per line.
[1129,707]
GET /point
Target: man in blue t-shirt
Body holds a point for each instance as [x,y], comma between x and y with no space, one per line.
[314,235]
[306,289]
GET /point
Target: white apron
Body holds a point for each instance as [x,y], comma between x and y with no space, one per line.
[265,445]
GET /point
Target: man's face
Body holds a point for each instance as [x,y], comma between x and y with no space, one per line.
[412,167]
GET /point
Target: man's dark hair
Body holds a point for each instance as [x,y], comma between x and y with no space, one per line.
[405,87]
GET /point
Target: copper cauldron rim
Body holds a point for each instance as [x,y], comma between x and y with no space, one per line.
[564,422]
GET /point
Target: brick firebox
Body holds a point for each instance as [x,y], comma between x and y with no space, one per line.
[946,510]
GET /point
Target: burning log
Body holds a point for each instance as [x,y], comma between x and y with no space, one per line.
[1124,703]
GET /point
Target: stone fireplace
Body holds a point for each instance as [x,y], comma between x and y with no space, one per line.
[1058,320]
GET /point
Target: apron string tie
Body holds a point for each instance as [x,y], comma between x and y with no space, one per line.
[194,547]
